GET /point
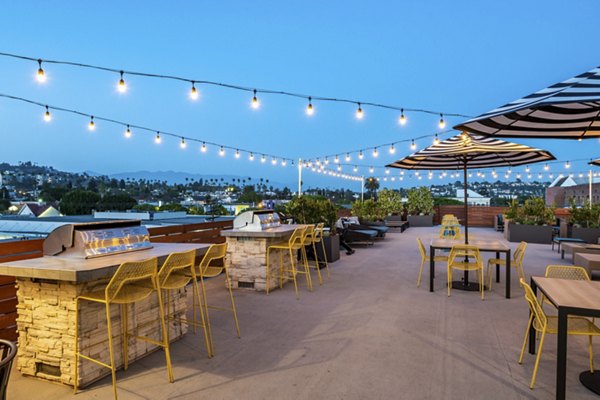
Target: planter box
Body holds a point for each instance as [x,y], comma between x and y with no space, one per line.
[332,248]
[528,233]
[420,220]
[590,235]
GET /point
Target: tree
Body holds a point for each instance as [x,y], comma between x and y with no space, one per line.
[390,202]
[144,207]
[116,202]
[172,207]
[218,209]
[249,195]
[196,210]
[79,202]
[372,184]
[4,204]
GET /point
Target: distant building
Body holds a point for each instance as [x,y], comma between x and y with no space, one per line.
[566,187]
[38,210]
[473,198]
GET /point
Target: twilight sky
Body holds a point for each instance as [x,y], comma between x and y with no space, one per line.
[462,57]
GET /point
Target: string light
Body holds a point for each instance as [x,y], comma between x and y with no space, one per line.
[339,167]
[359,112]
[194,92]
[392,149]
[336,159]
[360,155]
[40,76]
[237,154]
[371,170]
[355,169]
[122,87]
[402,119]
[263,159]
[375,152]
[251,157]
[413,145]
[546,167]
[387,171]
[527,169]
[203,148]
[157,138]
[182,144]
[347,157]
[127,133]
[436,139]
[222,151]
[309,109]
[255,102]
[567,165]
[92,124]
[274,161]
[47,116]
[442,123]
[326,160]
[283,162]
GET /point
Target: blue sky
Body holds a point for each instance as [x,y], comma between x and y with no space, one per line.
[463,56]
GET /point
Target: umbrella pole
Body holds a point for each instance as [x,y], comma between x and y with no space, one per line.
[466,205]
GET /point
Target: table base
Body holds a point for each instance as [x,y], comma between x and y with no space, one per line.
[469,287]
[591,381]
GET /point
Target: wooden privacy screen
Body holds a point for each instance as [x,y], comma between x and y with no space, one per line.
[13,251]
[478,215]
[205,232]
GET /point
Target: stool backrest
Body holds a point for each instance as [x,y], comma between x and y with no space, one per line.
[534,306]
[520,252]
[309,235]
[177,264]
[567,272]
[139,273]
[214,252]
[319,232]
[297,238]
[462,251]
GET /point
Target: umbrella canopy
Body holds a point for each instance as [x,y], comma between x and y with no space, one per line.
[566,110]
[468,151]
[595,162]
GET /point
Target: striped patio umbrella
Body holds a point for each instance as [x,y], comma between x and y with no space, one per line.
[468,151]
[566,110]
[595,162]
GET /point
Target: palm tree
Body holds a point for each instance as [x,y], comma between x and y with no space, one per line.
[372,184]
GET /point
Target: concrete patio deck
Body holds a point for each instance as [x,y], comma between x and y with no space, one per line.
[367,333]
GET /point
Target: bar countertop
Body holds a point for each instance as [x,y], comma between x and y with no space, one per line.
[278,232]
[78,270]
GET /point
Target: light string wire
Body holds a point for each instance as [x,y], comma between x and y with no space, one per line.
[95,117]
[194,82]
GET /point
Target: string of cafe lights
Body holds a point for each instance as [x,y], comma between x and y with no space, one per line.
[194,92]
[158,134]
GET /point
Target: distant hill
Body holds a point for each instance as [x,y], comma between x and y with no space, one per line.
[174,177]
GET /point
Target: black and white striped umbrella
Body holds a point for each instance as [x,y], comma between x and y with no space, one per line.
[566,110]
[469,151]
[472,152]
[595,162]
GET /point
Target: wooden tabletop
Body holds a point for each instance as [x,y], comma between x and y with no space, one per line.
[80,270]
[570,293]
[483,245]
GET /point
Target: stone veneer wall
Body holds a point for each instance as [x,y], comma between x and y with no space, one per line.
[46,328]
[247,262]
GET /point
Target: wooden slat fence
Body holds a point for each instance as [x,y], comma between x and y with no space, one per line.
[205,232]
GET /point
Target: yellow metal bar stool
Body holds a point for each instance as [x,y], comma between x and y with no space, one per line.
[207,269]
[294,243]
[318,238]
[176,273]
[132,282]
[309,241]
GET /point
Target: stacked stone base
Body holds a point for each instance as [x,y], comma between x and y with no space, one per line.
[46,327]
[247,262]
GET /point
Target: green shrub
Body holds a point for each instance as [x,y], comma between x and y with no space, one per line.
[585,216]
[420,201]
[368,210]
[312,210]
[533,212]
[390,202]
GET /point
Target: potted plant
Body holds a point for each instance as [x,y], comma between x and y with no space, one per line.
[313,210]
[367,211]
[420,207]
[531,222]
[584,222]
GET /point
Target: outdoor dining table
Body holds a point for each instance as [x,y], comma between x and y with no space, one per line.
[493,246]
[570,297]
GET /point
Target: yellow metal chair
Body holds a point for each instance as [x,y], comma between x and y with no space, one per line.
[309,241]
[565,272]
[294,243]
[176,273]
[465,257]
[132,282]
[449,232]
[517,262]
[548,324]
[207,269]
[318,238]
[425,258]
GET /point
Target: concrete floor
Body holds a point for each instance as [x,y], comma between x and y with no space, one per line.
[367,333]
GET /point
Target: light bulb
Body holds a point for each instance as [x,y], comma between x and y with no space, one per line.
[263,159]
[355,169]
[122,87]
[347,157]
[402,119]
[157,139]
[41,76]
[567,165]
[92,124]
[283,163]
[326,160]
[546,167]
[221,151]
[387,171]
[336,159]
[392,149]
[182,144]
[127,133]
[360,155]
[436,139]
[273,161]
[309,109]
[339,167]
[527,169]
[371,169]
[251,157]
[47,116]
[413,145]
[194,92]
[237,154]
[442,123]
[255,102]
[509,171]
[203,148]
[359,112]
[375,152]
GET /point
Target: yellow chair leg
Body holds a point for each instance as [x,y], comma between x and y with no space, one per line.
[294,274]
[481,282]
[76,366]
[304,260]
[449,280]
[591,354]
[267,273]
[165,336]
[233,310]
[197,299]
[207,318]
[525,339]
[420,272]
[124,336]
[490,273]
[325,256]
[537,360]
[281,269]
[110,351]
[317,265]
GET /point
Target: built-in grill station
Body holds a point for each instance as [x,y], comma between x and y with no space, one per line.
[257,221]
[97,239]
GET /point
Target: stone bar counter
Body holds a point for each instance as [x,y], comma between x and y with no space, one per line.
[247,256]
[46,292]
